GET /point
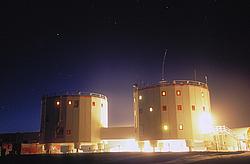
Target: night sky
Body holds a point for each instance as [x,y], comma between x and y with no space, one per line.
[106,46]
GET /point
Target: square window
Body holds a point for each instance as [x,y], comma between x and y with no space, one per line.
[179,107]
[181,127]
[163,93]
[164,108]
[68,132]
[165,127]
[178,93]
[193,107]
[76,103]
[93,103]
[58,104]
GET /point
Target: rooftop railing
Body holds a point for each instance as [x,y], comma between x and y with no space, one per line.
[174,82]
[75,93]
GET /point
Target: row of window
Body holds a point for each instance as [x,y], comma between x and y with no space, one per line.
[165,127]
[179,107]
[164,93]
[70,102]
[76,103]
[178,93]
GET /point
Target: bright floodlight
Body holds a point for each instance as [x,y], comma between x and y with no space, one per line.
[205,123]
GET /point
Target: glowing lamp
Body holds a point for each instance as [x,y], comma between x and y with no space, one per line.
[165,127]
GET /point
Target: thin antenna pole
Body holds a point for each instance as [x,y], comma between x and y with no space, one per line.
[163,66]
[194,74]
[206,78]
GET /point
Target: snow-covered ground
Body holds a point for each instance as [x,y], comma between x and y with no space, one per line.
[188,157]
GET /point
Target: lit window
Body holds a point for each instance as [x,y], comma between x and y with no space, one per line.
[163,93]
[57,103]
[193,107]
[165,127]
[151,109]
[180,127]
[179,107]
[93,103]
[164,108]
[140,97]
[134,100]
[203,108]
[202,94]
[70,102]
[178,92]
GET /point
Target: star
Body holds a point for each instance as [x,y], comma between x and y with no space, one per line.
[59,36]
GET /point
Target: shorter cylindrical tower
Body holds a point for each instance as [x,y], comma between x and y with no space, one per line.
[73,117]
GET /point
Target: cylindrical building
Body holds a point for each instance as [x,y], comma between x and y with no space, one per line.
[73,118]
[176,110]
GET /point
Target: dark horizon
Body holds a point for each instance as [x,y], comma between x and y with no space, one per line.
[107,46]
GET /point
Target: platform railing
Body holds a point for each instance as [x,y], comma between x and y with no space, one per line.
[75,93]
[174,82]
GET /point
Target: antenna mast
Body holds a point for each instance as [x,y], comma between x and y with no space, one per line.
[163,66]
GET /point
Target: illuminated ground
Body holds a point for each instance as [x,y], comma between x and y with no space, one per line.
[193,157]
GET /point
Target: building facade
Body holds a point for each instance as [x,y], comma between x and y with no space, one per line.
[73,118]
[177,110]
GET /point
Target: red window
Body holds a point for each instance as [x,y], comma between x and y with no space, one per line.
[163,93]
[193,107]
[178,93]
[93,103]
[179,107]
[76,103]
[68,132]
[164,108]
[203,108]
